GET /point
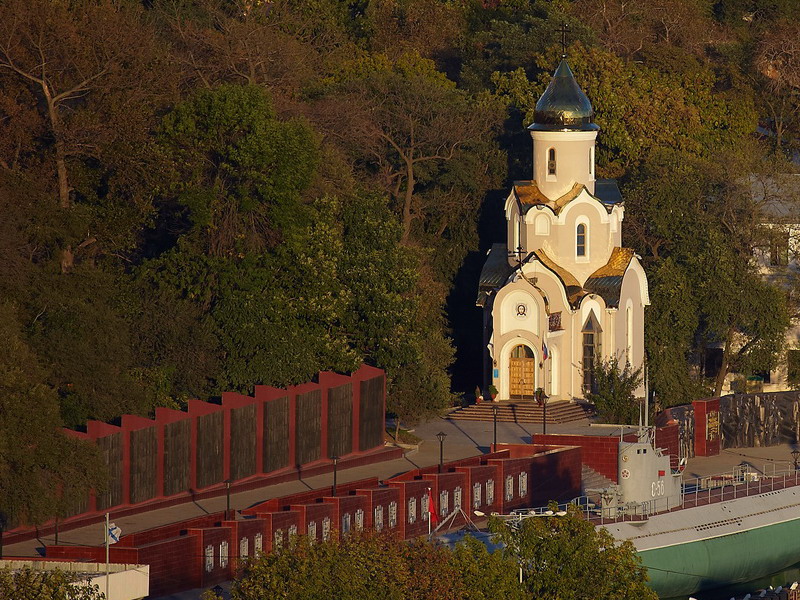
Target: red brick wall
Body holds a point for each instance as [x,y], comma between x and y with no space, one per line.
[706,435]
[555,475]
[283,520]
[379,497]
[668,439]
[245,529]
[172,530]
[309,497]
[599,453]
[211,574]
[448,482]
[479,475]
[343,505]
[175,564]
[316,513]
[407,490]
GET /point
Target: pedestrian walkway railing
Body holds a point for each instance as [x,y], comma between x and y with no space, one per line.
[606,507]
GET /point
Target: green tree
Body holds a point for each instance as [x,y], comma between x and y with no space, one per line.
[43,472]
[555,553]
[27,584]
[374,566]
[237,170]
[614,388]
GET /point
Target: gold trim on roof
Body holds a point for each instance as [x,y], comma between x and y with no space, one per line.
[617,264]
[605,281]
[573,288]
[529,194]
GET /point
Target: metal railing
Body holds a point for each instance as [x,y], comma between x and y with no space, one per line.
[738,483]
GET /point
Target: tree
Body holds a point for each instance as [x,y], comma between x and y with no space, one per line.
[27,584]
[370,566]
[555,553]
[65,53]
[42,471]
[614,389]
[402,119]
[238,170]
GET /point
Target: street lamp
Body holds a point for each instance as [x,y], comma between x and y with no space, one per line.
[494,419]
[795,457]
[335,460]
[440,436]
[227,483]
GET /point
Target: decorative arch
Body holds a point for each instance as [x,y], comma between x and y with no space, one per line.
[512,366]
[584,201]
[542,224]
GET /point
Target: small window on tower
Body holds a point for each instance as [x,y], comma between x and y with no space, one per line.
[551,161]
[580,240]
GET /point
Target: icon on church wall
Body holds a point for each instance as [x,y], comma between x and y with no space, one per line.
[522,310]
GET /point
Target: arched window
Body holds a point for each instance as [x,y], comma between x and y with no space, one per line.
[551,161]
[591,350]
[580,240]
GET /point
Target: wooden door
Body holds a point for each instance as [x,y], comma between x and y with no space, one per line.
[522,375]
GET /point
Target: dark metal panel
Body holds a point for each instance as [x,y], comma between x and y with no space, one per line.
[762,419]
[144,450]
[177,457]
[210,457]
[308,427]
[111,450]
[276,434]
[243,442]
[340,420]
[372,419]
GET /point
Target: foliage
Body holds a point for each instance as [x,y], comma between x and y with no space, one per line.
[27,584]
[378,566]
[557,552]
[42,471]
[613,391]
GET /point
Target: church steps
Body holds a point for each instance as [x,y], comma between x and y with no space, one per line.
[521,412]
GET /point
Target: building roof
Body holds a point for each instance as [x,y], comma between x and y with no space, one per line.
[563,106]
[778,197]
[528,195]
[573,288]
[494,273]
[606,281]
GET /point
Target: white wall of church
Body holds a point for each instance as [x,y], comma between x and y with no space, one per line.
[574,160]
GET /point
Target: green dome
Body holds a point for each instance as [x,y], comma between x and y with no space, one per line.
[563,106]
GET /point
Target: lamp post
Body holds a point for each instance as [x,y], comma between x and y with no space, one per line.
[227,483]
[335,460]
[494,419]
[795,457]
[440,436]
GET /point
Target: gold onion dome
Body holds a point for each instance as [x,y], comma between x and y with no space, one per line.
[563,106]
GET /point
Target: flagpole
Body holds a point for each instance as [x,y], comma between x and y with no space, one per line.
[429,512]
[107,540]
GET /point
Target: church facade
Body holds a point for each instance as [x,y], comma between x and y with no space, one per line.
[562,290]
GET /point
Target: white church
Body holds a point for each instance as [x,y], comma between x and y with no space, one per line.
[562,290]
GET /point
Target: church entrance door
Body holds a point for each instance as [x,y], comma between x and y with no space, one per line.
[522,373]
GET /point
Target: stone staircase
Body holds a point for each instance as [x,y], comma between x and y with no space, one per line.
[592,480]
[522,411]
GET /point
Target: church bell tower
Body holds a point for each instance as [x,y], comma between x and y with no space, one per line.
[564,136]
